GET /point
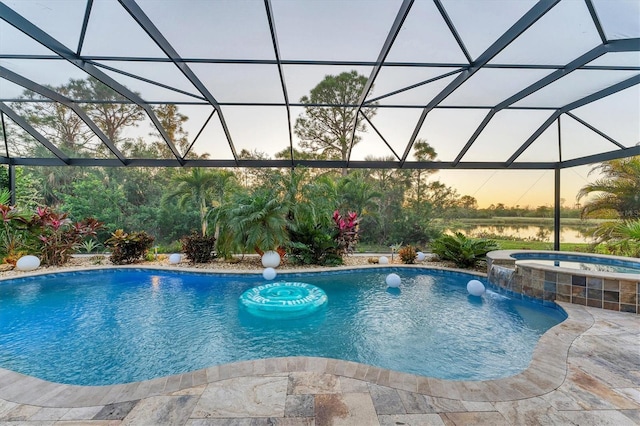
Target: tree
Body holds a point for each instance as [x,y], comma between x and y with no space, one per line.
[55,181]
[64,128]
[466,206]
[357,194]
[195,188]
[499,210]
[423,152]
[111,118]
[319,198]
[27,195]
[442,197]
[468,202]
[58,123]
[91,196]
[293,185]
[383,227]
[254,220]
[256,176]
[544,211]
[144,188]
[327,130]
[171,120]
[617,192]
[285,154]
[222,182]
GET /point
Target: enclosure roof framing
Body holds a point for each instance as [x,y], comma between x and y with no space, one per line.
[482,82]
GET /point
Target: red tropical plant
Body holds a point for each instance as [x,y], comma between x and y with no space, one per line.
[347,231]
[59,237]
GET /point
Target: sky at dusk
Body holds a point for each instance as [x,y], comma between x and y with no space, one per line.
[512,188]
[328,30]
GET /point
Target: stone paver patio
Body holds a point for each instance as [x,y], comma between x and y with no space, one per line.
[585,371]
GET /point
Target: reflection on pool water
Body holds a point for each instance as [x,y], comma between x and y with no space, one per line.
[117,326]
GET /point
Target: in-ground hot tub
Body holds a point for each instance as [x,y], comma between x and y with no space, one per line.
[609,282]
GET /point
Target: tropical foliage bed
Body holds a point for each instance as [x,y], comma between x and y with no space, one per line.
[314,216]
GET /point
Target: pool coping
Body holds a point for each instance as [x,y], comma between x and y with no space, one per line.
[545,373]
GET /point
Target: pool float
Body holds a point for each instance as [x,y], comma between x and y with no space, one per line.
[283,300]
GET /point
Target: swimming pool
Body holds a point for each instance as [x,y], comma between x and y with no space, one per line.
[122,325]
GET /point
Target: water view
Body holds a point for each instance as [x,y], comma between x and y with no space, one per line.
[568,233]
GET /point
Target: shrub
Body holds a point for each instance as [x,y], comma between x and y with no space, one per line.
[128,248]
[13,235]
[620,238]
[408,254]
[173,247]
[58,236]
[464,252]
[628,248]
[313,245]
[198,248]
[347,236]
[97,260]
[89,246]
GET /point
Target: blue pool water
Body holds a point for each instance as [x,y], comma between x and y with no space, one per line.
[118,326]
[583,262]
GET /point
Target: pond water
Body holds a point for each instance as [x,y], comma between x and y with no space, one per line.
[568,234]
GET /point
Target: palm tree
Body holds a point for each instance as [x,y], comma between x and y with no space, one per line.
[293,186]
[255,220]
[621,237]
[223,181]
[358,194]
[195,187]
[616,192]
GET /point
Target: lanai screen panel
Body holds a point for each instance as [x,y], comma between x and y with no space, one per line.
[490,85]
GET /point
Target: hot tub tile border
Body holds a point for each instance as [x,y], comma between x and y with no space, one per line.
[576,287]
